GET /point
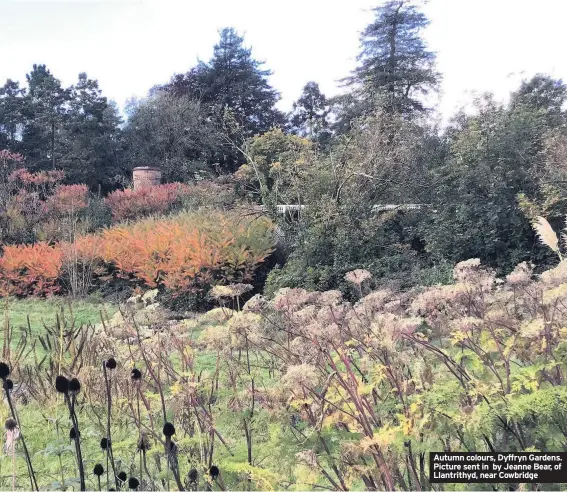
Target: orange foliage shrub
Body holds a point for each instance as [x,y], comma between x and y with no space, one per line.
[184,253]
[30,270]
[130,204]
[188,251]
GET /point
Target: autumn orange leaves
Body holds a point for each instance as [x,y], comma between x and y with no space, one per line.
[182,253]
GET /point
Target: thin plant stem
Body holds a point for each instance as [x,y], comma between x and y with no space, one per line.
[108,413]
[61,471]
[33,481]
[13,465]
[140,444]
[75,423]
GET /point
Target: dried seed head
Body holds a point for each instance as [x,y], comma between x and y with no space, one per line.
[62,384]
[168,429]
[122,476]
[74,386]
[214,472]
[73,434]
[193,475]
[10,424]
[105,443]
[136,375]
[8,385]
[133,483]
[98,470]
[4,370]
[110,363]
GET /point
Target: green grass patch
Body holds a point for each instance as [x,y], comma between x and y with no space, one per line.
[45,311]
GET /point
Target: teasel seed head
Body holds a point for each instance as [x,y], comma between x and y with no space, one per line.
[10,424]
[73,434]
[122,476]
[74,386]
[168,429]
[4,370]
[105,443]
[133,483]
[136,374]
[110,363]
[62,384]
[98,470]
[8,385]
[214,472]
[193,475]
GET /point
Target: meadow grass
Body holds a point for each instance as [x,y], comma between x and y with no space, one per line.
[45,311]
[46,426]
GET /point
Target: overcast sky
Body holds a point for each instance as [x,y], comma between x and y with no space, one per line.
[131,45]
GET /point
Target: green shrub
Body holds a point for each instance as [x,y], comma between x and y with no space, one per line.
[217,194]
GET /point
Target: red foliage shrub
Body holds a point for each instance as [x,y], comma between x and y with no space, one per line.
[87,248]
[38,179]
[67,199]
[130,204]
[25,204]
[22,201]
[30,270]
[7,156]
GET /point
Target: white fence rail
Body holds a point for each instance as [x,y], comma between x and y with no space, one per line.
[288,209]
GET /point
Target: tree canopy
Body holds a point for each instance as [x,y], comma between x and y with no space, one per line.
[395,69]
[473,187]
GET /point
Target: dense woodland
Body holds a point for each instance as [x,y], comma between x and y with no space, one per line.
[480,180]
[414,300]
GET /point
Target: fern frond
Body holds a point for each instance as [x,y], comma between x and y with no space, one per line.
[546,234]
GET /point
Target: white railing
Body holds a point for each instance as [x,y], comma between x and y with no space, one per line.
[286,209]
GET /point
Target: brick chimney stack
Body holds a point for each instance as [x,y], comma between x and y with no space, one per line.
[146,177]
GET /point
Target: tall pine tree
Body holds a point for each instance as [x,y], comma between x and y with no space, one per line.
[44,109]
[395,67]
[11,117]
[233,80]
[91,132]
[74,129]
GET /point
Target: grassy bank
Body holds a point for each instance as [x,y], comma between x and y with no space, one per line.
[17,313]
